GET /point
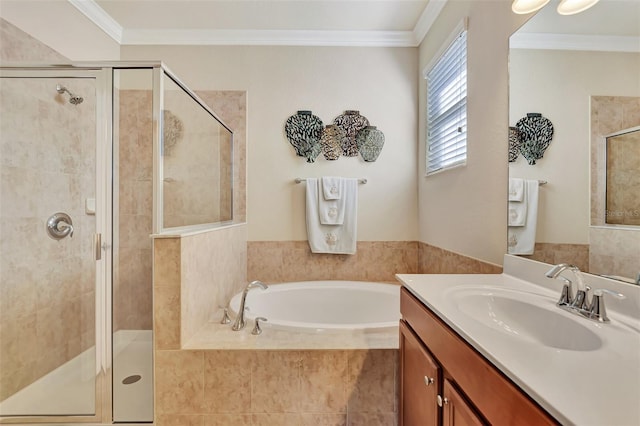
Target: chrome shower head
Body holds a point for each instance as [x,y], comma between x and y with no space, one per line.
[74,100]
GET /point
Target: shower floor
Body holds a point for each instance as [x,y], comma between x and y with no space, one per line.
[70,388]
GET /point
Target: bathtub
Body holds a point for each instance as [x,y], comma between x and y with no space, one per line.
[323,306]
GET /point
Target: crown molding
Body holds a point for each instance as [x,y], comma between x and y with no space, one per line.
[548,41]
[98,16]
[269,38]
[411,38]
[427,19]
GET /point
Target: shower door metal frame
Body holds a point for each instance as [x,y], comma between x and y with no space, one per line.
[104,201]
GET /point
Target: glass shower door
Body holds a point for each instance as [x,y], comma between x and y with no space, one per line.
[49,274]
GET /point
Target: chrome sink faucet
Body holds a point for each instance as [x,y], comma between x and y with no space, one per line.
[580,304]
[567,298]
[238,324]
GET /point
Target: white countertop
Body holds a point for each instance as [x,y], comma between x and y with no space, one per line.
[599,386]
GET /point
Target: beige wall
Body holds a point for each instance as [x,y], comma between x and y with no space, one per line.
[63,28]
[379,82]
[464,210]
[559,85]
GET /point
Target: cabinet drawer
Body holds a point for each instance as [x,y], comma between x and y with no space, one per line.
[499,400]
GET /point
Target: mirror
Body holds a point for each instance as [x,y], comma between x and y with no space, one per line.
[582,73]
[623,177]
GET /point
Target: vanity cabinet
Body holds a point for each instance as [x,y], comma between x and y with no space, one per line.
[470,390]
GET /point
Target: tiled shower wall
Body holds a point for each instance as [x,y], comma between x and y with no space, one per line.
[47,291]
[132,287]
[612,251]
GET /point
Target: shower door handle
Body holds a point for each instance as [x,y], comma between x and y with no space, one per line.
[97,244]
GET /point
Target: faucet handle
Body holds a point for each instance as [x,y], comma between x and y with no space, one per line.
[567,293]
[597,310]
[602,291]
[256,329]
[225,317]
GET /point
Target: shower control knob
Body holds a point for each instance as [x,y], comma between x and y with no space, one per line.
[60,225]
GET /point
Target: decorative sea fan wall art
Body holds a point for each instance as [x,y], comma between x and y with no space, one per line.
[349,135]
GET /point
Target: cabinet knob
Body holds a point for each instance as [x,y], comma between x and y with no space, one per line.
[442,401]
[428,380]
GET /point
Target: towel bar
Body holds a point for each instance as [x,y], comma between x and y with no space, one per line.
[300,180]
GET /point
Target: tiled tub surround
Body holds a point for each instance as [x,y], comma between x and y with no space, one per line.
[379,261]
[554,253]
[220,388]
[250,387]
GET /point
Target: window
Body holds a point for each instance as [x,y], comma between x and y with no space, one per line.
[447,106]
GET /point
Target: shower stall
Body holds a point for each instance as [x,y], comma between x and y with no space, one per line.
[94,159]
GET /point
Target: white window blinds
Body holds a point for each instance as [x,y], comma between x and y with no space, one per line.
[447,108]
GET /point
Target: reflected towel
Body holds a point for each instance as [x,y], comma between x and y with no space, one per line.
[335,239]
[517,213]
[522,239]
[516,189]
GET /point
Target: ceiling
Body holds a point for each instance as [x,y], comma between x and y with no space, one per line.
[264,22]
[610,25]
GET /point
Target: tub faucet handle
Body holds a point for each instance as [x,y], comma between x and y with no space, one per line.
[256,329]
[225,317]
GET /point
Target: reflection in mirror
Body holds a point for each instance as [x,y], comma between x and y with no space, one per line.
[582,73]
[623,178]
[196,162]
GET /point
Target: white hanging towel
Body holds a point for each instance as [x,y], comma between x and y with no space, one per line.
[331,203]
[335,239]
[332,187]
[522,238]
[516,189]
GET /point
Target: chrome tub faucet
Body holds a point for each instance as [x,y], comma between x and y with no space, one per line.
[238,324]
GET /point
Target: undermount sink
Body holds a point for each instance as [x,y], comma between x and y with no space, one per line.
[525,315]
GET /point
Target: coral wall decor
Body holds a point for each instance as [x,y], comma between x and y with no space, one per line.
[536,133]
[331,142]
[514,143]
[351,122]
[304,131]
[349,135]
[370,141]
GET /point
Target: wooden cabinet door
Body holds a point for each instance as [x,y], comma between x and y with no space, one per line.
[420,378]
[456,411]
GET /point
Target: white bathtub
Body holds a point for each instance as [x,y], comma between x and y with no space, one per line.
[323,306]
